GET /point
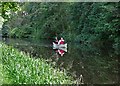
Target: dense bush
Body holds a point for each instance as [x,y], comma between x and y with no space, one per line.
[81,22]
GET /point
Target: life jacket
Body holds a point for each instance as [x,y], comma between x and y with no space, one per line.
[61,41]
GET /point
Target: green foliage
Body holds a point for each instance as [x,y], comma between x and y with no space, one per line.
[81,22]
[7,8]
[20,68]
[95,19]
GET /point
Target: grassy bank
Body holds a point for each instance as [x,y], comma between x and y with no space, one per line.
[17,67]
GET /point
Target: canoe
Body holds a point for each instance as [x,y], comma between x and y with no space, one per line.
[58,46]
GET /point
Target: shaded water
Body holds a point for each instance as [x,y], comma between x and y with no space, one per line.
[97,64]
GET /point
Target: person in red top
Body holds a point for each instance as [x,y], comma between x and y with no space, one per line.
[61,41]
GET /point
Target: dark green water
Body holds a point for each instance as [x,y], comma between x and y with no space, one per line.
[98,64]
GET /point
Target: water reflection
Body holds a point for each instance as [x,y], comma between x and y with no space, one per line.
[86,63]
[61,51]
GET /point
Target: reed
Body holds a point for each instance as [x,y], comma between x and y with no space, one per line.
[20,68]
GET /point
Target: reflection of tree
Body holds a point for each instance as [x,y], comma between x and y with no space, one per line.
[91,62]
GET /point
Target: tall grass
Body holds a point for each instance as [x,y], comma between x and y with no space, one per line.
[19,68]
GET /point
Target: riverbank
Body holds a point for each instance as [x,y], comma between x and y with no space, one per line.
[19,68]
